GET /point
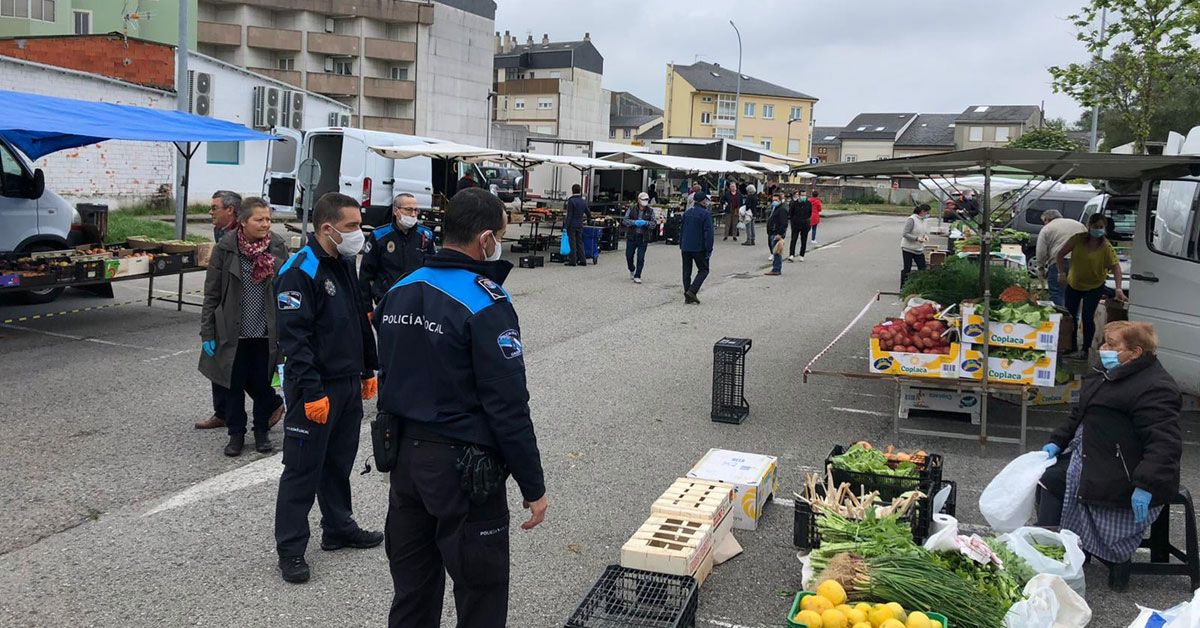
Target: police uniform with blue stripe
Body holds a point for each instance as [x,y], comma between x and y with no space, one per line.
[329,349]
[453,372]
[390,254]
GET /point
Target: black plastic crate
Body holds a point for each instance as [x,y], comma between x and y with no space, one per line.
[729,403]
[625,598]
[805,534]
[533,261]
[888,486]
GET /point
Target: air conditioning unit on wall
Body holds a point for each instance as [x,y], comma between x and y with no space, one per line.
[200,93]
[339,119]
[293,110]
[267,104]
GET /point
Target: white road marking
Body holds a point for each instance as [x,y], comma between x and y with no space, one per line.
[170,355]
[857,411]
[725,624]
[258,472]
[784,501]
[55,334]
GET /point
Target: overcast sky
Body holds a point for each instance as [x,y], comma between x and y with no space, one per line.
[924,56]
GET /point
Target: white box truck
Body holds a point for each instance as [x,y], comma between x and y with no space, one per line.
[552,182]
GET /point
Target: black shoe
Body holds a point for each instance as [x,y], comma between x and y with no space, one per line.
[358,539]
[735,238]
[294,569]
[690,297]
[236,443]
[724,238]
[262,443]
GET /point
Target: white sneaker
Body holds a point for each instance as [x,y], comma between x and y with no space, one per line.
[792,258]
[814,240]
[631,276]
[637,280]
[802,258]
[770,258]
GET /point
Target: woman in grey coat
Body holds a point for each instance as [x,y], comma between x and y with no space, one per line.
[237,324]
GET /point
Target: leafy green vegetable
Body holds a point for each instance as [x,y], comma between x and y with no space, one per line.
[1016,566]
[859,459]
[1056,552]
[871,537]
[1030,314]
[989,580]
[958,280]
[1013,353]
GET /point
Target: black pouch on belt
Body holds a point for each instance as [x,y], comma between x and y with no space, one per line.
[481,474]
[385,440]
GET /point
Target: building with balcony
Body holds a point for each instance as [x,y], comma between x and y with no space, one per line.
[702,102]
[553,88]
[406,67]
[156,21]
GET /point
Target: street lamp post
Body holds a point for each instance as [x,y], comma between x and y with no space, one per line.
[788,151]
[737,98]
[488,142]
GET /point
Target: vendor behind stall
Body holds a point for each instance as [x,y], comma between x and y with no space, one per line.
[1126,430]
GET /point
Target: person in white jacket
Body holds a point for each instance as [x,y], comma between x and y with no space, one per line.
[912,241]
[1056,232]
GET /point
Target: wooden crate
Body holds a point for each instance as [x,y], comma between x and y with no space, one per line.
[696,500]
[669,545]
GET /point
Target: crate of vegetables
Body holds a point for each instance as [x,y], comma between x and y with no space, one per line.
[889,472]
[839,509]
[1023,325]
[810,610]
[920,344]
[1010,365]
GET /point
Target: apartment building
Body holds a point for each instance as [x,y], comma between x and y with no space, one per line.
[632,120]
[873,135]
[929,133]
[552,87]
[981,126]
[701,101]
[406,67]
[826,145]
[156,21]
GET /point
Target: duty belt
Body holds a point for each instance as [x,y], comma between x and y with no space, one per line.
[416,431]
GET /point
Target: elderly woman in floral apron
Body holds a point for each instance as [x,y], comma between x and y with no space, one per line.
[237,324]
[1119,453]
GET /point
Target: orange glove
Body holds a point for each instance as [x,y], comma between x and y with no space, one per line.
[369,388]
[317,411]
[370,316]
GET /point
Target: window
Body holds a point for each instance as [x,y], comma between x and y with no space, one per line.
[748,110]
[545,130]
[726,107]
[707,99]
[749,139]
[821,150]
[285,63]
[793,147]
[766,143]
[41,10]
[723,133]
[519,104]
[769,112]
[545,103]
[343,66]
[975,133]
[612,134]
[83,22]
[883,156]
[227,153]
[705,117]
[1173,220]
[398,73]
[851,157]
[628,133]
[13,183]
[1002,134]
[795,114]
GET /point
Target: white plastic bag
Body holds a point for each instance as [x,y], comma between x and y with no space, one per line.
[1022,540]
[1183,615]
[1048,603]
[1007,502]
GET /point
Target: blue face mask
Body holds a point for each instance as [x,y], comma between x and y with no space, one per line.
[1097,233]
[1109,359]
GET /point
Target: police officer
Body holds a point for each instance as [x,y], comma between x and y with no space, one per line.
[329,371]
[394,250]
[454,375]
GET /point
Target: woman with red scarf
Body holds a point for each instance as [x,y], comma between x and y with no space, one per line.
[237,325]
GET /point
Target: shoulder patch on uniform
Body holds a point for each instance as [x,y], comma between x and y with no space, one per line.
[290,300]
[510,344]
[366,247]
[382,232]
[305,260]
[391,246]
[493,289]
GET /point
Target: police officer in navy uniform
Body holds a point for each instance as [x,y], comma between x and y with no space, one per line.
[329,370]
[394,250]
[453,373]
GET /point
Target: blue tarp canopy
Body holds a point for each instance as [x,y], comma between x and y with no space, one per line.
[40,125]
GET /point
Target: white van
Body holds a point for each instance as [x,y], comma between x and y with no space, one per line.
[32,218]
[350,167]
[1165,288]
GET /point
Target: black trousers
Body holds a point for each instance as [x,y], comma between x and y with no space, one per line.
[575,237]
[220,394]
[636,244]
[910,259]
[700,258]
[317,462]
[799,232]
[432,529]
[1089,300]
[251,376]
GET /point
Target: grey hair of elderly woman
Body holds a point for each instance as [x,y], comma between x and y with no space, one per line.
[247,206]
[1051,214]
[750,189]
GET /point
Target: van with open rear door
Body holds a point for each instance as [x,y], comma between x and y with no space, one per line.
[1165,282]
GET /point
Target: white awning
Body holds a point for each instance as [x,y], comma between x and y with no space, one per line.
[763,166]
[683,164]
[754,148]
[465,152]
[582,163]
[1001,185]
[687,141]
[599,148]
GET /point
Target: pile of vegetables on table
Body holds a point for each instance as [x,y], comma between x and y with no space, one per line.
[919,331]
[830,607]
[957,280]
[862,457]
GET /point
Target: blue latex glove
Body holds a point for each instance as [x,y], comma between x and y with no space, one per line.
[1051,450]
[639,223]
[1141,505]
[210,347]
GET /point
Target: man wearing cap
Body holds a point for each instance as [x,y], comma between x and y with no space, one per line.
[696,245]
[638,221]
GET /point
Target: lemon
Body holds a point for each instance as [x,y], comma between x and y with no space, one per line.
[809,619]
[879,614]
[833,618]
[918,619]
[845,608]
[863,608]
[891,623]
[935,623]
[832,590]
[855,617]
[897,611]
[863,624]
[816,603]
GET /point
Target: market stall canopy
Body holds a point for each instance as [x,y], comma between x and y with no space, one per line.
[763,166]
[754,148]
[599,147]
[449,150]
[682,164]
[1042,163]
[745,146]
[40,125]
[583,163]
[1001,185]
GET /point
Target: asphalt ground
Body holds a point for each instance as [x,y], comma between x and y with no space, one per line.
[116,512]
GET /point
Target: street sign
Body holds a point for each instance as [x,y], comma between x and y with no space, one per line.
[813,160]
[307,175]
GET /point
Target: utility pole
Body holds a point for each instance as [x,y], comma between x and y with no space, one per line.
[1094,143]
[737,98]
[182,100]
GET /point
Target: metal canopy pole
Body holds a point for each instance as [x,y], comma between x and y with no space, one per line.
[183,104]
[985,254]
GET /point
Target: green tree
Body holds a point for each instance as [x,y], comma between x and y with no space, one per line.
[1178,111]
[1049,137]
[1148,40]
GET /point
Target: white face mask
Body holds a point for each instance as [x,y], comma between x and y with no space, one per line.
[496,253]
[351,242]
[408,221]
[643,202]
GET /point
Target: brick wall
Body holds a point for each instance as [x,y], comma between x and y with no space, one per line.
[141,62]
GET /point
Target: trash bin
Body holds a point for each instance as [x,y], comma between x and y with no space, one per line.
[591,243]
[92,214]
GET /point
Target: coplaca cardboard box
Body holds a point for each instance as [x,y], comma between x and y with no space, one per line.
[1043,337]
[916,397]
[936,365]
[1038,372]
[1048,396]
[754,478]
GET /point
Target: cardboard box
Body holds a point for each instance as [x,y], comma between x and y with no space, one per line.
[915,397]
[1048,396]
[1039,372]
[753,477]
[915,364]
[1044,337]
[133,266]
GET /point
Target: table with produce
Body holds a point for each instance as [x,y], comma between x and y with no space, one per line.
[92,264]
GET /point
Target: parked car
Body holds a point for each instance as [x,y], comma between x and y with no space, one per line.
[508,182]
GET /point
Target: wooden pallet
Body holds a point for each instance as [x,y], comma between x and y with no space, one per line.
[669,545]
[696,500]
